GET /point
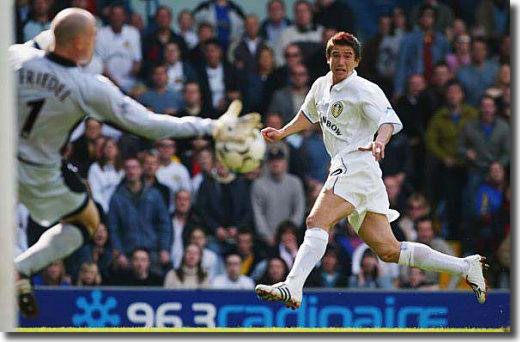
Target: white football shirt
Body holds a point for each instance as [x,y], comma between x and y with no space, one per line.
[349,112]
[54,95]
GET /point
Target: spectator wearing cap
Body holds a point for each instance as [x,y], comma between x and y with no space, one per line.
[277,196]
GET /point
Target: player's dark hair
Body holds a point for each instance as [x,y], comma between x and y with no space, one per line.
[344,39]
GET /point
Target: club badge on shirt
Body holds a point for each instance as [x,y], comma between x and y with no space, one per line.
[337,108]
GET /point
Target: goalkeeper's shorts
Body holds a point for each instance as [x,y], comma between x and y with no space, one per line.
[51,193]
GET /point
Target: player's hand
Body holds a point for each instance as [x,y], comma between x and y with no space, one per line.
[377,149]
[271,134]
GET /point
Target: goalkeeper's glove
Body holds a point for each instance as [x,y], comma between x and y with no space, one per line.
[231,127]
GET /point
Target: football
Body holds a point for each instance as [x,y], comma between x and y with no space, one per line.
[242,157]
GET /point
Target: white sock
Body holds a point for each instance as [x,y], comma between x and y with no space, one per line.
[310,252]
[56,243]
[422,256]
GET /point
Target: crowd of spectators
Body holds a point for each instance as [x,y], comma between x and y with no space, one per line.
[173,216]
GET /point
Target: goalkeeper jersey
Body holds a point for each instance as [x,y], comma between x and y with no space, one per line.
[54,95]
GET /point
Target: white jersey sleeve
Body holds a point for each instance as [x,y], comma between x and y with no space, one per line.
[103,101]
[378,109]
[309,105]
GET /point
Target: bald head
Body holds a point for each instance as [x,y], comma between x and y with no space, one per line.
[74,34]
[70,23]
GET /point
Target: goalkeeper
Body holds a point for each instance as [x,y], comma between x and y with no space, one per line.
[53,96]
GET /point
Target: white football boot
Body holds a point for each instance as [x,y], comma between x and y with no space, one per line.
[475,276]
[280,292]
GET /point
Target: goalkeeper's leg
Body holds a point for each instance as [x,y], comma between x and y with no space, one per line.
[56,243]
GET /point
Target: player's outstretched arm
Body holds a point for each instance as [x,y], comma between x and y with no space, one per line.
[105,102]
[297,124]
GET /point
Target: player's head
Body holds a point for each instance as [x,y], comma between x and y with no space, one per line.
[343,53]
[74,32]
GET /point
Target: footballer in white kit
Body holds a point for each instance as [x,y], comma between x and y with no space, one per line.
[53,96]
[350,111]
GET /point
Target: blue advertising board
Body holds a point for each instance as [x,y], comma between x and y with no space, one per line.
[109,307]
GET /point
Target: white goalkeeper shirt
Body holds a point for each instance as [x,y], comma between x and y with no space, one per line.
[54,95]
[349,113]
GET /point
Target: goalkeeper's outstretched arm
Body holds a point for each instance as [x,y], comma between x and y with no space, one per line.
[103,101]
[297,124]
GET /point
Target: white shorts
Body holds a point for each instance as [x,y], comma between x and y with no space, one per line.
[356,177]
[50,193]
